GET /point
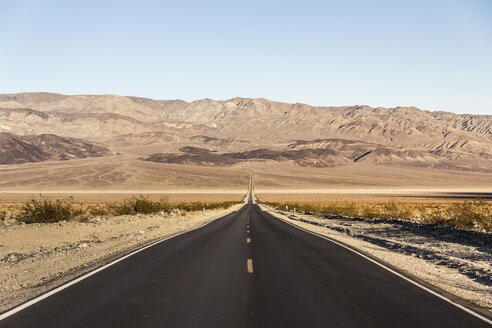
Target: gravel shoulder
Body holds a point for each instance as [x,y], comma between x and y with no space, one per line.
[35,258]
[456,261]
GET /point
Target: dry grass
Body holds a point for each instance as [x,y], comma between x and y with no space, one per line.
[42,209]
[469,214]
[116,197]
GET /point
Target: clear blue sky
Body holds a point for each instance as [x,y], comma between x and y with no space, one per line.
[436,55]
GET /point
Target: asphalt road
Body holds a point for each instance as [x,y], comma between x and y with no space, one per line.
[246,269]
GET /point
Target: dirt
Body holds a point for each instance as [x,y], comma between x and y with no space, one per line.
[35,258]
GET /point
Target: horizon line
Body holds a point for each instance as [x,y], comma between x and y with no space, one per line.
[252,98]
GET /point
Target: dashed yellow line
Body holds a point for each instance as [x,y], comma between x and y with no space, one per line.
[248,240]
[250,266]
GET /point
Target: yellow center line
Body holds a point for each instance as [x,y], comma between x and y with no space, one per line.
[248,240]
[250,265]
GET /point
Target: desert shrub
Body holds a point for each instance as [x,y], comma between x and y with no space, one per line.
[44,210]
[348,209]
[3,214]
[136,205]
[124,208]
[144,205]
[332,209]
[465,215]
[199,206]
[392,210]
[433,214]
[370,212]
[189,206]
[470,214]
[98,210]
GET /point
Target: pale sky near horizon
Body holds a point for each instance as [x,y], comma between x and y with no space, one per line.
[435,55]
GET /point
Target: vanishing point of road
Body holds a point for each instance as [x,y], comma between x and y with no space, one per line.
[246,269]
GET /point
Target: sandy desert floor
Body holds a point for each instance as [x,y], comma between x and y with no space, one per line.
[127,174]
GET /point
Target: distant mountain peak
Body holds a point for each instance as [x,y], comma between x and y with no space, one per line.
[403,134]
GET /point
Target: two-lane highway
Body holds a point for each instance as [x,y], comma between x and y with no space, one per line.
[247,269]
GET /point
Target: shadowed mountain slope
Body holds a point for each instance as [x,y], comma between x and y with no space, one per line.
[37,148]
[245,129]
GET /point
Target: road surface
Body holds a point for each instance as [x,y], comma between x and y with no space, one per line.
[247,269]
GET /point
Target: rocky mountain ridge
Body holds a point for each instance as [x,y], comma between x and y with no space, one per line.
[329,136]
[38,148]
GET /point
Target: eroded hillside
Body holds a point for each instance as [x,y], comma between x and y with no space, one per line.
[240,130]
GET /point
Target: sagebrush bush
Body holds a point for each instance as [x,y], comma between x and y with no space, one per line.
[475,214]
[200,206]
[97,210]
[144,205]
[44,210]
[470,215]
[140,204]
[47,211]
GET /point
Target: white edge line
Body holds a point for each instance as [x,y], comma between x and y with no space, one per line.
[87,275]
[390,270]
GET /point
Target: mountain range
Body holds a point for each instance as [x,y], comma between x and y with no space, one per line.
[226,133]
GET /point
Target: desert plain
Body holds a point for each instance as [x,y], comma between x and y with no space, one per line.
[101,150]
